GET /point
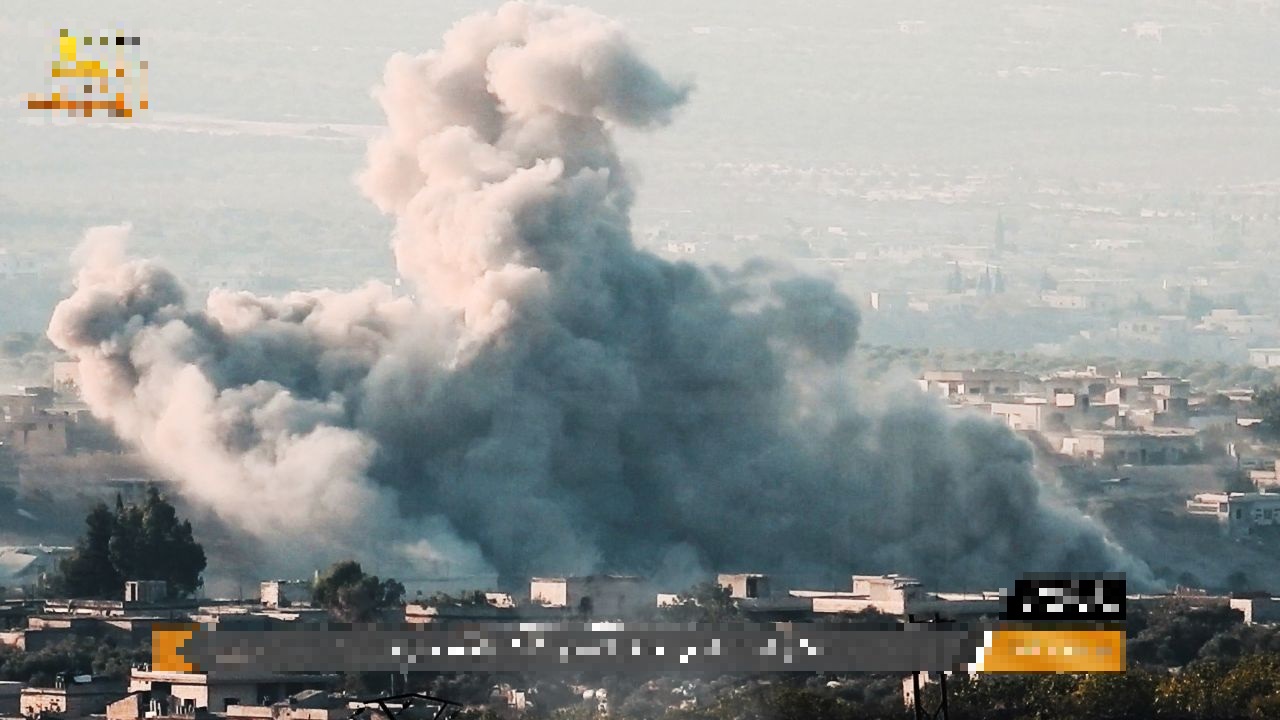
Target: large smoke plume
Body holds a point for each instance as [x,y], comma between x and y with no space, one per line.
[551,399]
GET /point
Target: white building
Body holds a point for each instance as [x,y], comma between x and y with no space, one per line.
[1158,446]
[1264,357]
[284,593]
[1256,611]
[744,586]
[1238,512]
[607,595]
[975,385]
[901,596]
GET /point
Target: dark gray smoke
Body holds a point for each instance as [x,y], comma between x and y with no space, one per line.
[552,399]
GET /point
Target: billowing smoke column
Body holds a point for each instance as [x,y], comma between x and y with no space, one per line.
[552,399]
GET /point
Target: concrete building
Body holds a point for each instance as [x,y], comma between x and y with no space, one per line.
[285,593]
[28,568]
[305,705]
[1233,322]
[175,608]
[1211,504]
[28,425]
[1258,611]
[599,595]
[976,385]
[1239,513]
[1031,415]
[70,697]
[1164,329]
[1182,596]
[219,691]
[1152,447]
[1264,358]
[425,614]
[43,434]
[143,704]
[745,585]
[146,591]
[44,630]
[1246,511]
[1064,301]
[900,596]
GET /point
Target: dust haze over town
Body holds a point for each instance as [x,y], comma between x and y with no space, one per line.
[1080,200]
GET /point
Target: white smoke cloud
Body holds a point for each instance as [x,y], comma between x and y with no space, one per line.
[552,399]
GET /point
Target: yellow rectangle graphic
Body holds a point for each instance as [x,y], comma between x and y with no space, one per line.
[165,643]
[1062,651]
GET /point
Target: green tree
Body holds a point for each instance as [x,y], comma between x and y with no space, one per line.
[1266,401]
[1115,696]
[703,603]
[136,542]
[1254,677]
[469,598]
[352,596]
[89,571]
[1191,694]
[81,655]
[1173,634]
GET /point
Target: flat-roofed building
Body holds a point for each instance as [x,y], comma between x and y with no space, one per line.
[745,585]
[598,595]
[285,593]
[70,697]
[977,384]
[219,690]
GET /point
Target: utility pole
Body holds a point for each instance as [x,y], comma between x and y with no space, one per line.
[941,710]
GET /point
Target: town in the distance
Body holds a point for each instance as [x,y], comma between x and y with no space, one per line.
[1185,478]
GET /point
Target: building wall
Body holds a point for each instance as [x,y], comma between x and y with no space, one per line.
[883,588]
[220,695]
[606,595]
[273,712]
[554,592]
[145,591]
[1020,416]
[1245,513]
[846,605]
[1265,358]
[14,639]
[745,585]
[1258,610]
[218,692]
[10,697]
[285,593]
[15,407]
[69,704]
[36,435]
[129,707]
[1135,448]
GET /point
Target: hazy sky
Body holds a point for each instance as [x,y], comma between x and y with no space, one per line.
[1161,93]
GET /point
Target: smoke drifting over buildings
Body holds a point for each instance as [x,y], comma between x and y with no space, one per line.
[550,399]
